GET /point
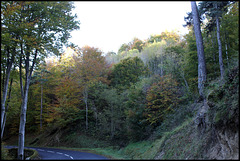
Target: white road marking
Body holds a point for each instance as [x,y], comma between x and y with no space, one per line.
[66,155]
[54,152]
[50,151]
[40,150]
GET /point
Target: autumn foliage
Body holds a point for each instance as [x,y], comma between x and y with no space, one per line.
[161,97]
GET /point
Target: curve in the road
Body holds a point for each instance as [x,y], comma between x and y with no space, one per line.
[59,154]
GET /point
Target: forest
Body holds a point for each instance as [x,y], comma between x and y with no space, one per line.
[83,95]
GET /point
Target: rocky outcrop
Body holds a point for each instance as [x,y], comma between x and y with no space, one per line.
[226,146]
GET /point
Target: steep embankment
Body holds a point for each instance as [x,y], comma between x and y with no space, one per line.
[224,116]
[213,133]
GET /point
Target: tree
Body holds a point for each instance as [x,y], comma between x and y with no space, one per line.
[190,61]
[13,106]
[137,44]
[37,31]
[136,121]
[127,71]
[5,89]
[8,50]
[170,37]
[161,98]
[39,77]
[97,103]
[112,100]
[134,44]
[111,58]
[90,68]
[175,64]
[124,47]
[153,56]
[215,9]
[230,29]
[202,73]
[61,92]
[7,105]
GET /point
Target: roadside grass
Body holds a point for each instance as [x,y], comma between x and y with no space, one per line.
[173,142]
[180,143]
[109,152]
[5,153]
[78,140]
[137,150]
[151,149]
[11,154]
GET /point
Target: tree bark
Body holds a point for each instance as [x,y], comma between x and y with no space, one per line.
[41,106]
[21,139]
[161,67]
[20,72]
[226,47]
[213,40]
[3,67]
[5,115]
[85,95]
[5,89]
[202,74]
[86,114]
[219,44]
[220,48]
[185,81]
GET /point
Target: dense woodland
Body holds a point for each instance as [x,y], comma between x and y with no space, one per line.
[116,97]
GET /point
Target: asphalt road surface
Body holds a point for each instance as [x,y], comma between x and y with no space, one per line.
[60,154]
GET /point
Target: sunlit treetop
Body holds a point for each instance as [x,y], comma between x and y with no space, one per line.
[42,25]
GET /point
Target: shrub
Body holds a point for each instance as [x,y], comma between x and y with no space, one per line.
[162,97]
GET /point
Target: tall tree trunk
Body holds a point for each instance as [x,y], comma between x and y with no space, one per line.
[41,106]
[226,47]
[213,40]
[21,139]
[95,113]
[86,114]
[161,67]
[3,73]
[185,81]
[5,115]
[28,70]
[5,89]
[20,72]
[202,74]
[85,95]
[219,48]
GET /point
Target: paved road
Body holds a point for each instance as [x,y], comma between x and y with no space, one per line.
[59,154]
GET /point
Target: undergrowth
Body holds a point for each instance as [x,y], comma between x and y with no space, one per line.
[4,153]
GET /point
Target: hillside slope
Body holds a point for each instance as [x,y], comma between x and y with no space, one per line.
[213,133]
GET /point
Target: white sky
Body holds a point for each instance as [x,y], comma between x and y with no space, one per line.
[107,25]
